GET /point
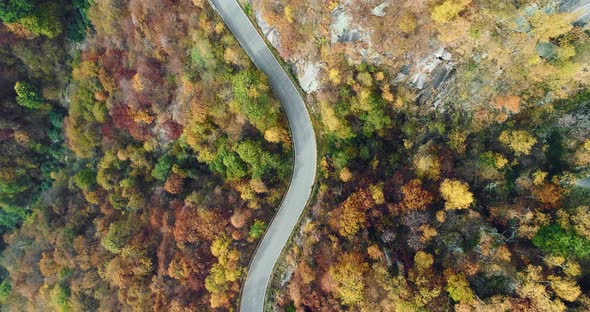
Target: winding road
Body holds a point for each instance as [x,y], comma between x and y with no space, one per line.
[304,147]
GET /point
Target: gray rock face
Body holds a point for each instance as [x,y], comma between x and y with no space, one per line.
[341,27]
[307,74]
[547,50]
[380,9]
[349,36]
[432,71]
[270,33]
[429,75]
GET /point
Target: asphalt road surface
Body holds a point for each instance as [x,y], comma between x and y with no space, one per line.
[304,147]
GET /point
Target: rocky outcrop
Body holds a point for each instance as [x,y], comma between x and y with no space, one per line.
[428,75]
[271,34]
[379,10]
[341,28]
[307,74]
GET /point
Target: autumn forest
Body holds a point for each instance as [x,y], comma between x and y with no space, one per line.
[143,155]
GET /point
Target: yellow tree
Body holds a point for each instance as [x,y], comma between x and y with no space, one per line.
[351,215]
[519,141]
[347,275]
[458,287]
[456,194]
[567,290]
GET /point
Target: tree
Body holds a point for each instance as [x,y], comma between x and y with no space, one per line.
[351,214]
[423,261]
[46,20]
[28,96]
[458,287]
[162,167]
[85,179]
[580,221]
[13,10]
[226,270]
[119,234]
[5,289]
[426,165]
[257,229]
[519,141]
[567,290]
[456,194]
[415,197]
[555,239]
[174,184]
[348,275]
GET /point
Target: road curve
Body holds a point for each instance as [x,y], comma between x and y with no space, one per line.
[304,147]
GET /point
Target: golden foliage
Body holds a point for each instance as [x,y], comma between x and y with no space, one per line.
[345,175]
[567,290]
[456,194]
[427,166]
[580,221]
[375,253]
[447,10]
[539,177]
[334,76]
[348,276]
[547,26]
[277,135]
[582,156]
[519,141]
[289,14]
[351,214]
[423,261]
[457,140]
[332,122]
[549,194]
[377,193]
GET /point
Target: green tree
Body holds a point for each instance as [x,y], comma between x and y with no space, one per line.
[13,10]
[46,20]
[28,96]
[60,297]
[119,234]
[458,287]
[257,229]
[85,179]
[162,167]
[555,239]
[5,289]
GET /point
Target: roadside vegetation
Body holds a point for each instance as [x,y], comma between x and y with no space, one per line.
[141,158]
